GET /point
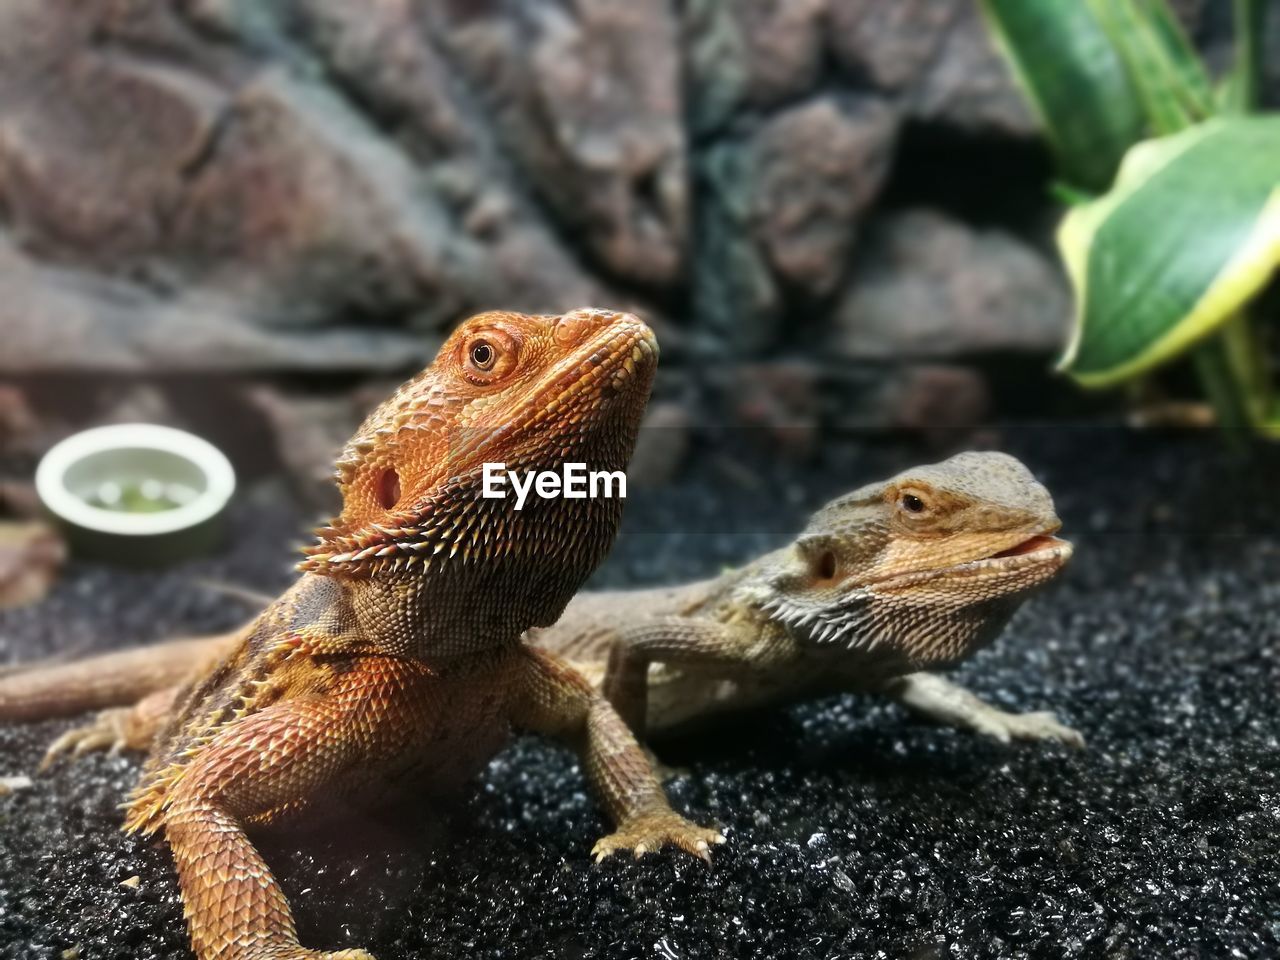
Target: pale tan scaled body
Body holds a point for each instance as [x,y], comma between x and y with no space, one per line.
[885,584]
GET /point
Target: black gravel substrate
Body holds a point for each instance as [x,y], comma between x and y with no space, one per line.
[853,830]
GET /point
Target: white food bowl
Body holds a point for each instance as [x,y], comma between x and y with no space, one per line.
[136,493]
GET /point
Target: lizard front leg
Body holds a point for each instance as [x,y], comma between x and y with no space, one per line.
[674,640]
[940,700]
[555,699]
[272,760]
[234,907]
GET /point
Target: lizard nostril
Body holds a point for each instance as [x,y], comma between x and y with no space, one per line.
[569,329]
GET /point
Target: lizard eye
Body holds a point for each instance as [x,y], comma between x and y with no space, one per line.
[489,357]
[911,503]
[482,355]
[387,488]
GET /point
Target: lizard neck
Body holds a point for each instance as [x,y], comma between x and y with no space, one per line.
[487,598]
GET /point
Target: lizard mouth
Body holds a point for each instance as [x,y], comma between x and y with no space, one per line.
[1042,549]
[1040,556]
[1040,542]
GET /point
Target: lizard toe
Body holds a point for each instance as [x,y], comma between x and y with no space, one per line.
[1037,725]
[107,731]
[654,830]
[996,731]
[1043,725]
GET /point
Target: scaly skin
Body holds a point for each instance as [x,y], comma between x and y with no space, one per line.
[395,664]
[737,641]
[887,582]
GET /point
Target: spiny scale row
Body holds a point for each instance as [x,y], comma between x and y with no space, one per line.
[467,533]
[158,787]
[824,626]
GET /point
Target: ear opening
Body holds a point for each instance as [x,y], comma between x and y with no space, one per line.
[825,565]
[386,488]
[822,563]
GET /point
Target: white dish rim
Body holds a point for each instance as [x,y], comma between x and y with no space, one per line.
[208,459]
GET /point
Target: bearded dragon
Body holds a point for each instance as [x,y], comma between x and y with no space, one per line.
[395,662]
[885,583]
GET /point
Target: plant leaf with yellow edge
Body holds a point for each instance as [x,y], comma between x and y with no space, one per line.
[1074,80]
[1188,234]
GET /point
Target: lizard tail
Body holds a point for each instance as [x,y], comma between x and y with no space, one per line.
[41,691]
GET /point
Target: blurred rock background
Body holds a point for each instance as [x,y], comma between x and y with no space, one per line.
[250,218]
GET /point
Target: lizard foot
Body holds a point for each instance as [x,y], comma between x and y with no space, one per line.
[111,730]
[1038,725]
[655,829]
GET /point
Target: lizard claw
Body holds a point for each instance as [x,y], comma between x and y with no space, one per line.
[108,731]
[1038,725]
[651,831]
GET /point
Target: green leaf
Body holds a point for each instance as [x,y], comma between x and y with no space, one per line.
[1226,378]
[1170,79]
[1239,90]
[1075,82]
[1189,234]
[1068,195]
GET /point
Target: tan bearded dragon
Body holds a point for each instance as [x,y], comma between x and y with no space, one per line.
[894,579]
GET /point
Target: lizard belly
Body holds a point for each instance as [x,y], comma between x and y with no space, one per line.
[680,695]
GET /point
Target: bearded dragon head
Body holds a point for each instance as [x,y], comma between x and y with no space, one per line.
[927,566]
[528,392]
